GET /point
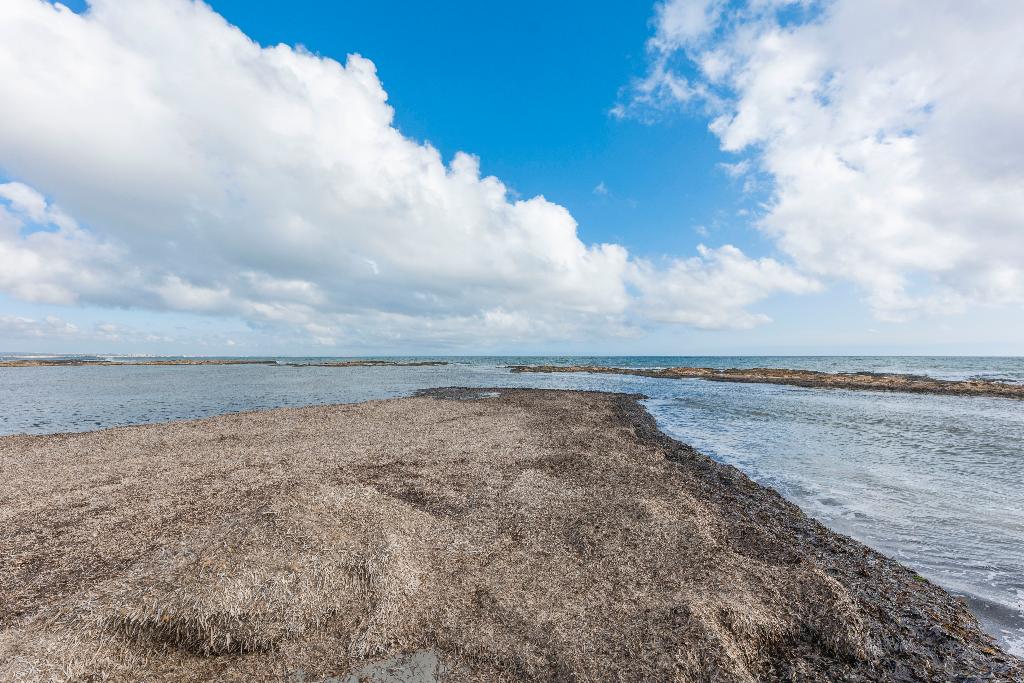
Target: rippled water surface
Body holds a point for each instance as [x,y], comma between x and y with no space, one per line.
[934,481]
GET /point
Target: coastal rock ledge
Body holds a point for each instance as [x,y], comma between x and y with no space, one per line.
[460,535]
[809,379]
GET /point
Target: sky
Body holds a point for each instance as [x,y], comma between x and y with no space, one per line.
[688,177]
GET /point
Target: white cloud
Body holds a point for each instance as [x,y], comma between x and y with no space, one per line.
[891,130]
[20,327]
[25,200]
[681,23]
[46,258]
[720,284]
[50,327]
[206,173]
[659,89]
[737,169]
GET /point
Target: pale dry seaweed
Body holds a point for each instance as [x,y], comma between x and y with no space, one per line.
[536,535]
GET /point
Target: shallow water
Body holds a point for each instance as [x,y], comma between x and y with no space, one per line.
[935,481]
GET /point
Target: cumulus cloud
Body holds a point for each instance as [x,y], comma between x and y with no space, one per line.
[53,328]
[203,172]
[21,327]
[890,130]
[45,257]
[720,284]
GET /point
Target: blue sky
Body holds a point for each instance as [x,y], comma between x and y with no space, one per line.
[528,88]
[624,114]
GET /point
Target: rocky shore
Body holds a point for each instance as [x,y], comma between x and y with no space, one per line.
[870,381]
[461,535]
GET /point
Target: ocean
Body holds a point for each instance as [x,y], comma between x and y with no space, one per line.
[936,482]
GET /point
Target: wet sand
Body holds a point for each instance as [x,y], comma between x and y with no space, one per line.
[466,534]
[865,381]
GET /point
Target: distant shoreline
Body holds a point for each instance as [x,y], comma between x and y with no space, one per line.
[861,381]
[813,379]
[79,362]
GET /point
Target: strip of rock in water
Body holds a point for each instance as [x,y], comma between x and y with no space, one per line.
[870,381]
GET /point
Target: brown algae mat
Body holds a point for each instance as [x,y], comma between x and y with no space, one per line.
[461,535]
[870,381]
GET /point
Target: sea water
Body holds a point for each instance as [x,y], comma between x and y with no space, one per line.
[937,482]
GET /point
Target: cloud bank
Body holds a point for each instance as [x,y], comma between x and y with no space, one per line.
[890,131]
[158,158]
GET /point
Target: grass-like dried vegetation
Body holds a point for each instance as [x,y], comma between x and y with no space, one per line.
[534,536]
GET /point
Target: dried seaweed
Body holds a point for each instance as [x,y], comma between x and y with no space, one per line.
[535,535]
